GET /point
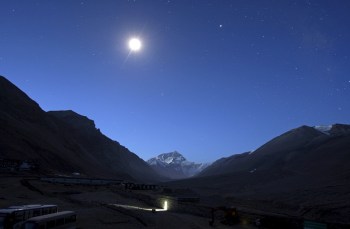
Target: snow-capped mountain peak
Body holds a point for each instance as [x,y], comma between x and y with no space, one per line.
[171,158]
[324,128]
[174,165]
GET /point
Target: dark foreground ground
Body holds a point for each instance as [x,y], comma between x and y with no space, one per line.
[93,205]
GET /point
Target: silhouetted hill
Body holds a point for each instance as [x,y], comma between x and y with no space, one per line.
[303,172]
[62,141]
[296,151]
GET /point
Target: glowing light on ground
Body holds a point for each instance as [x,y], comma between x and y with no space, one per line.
[165,205]
[140,208]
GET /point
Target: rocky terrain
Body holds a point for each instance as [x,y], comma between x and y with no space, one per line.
[303,172]
[304,150]
[175,166]
[96,205]
[62,142]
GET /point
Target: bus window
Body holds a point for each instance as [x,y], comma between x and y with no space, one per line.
[71,219]
[36,213]
[19,216]
[44,211]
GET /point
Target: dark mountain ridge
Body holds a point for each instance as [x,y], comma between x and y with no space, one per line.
[290,151]
[62,141]
[303,172]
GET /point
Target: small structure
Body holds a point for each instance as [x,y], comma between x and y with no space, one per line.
[7,164]
[81,181]
[134,186]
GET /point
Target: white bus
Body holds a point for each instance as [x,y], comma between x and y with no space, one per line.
[14,216]
[59,220]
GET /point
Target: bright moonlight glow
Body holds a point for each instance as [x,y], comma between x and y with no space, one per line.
[135,44]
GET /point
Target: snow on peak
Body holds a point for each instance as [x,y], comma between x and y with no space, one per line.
[324,129]
[176,162]
[152,161]
[170,158]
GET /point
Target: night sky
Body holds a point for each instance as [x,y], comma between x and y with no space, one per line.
[213,78]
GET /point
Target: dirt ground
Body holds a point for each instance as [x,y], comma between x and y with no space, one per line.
[94,205]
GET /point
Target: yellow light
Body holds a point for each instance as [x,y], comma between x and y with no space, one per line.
[165,205]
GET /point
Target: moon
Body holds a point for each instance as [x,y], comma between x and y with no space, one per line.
[135,44]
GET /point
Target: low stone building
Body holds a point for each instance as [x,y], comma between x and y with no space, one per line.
[81,181]
[135,186]
[7,164]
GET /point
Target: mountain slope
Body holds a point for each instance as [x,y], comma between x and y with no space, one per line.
[287,152]
[303,172]
[175,166]
[62,142]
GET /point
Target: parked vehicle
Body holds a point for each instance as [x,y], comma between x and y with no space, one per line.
[14,216]
[59,220]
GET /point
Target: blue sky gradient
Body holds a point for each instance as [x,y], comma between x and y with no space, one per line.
[213,78]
